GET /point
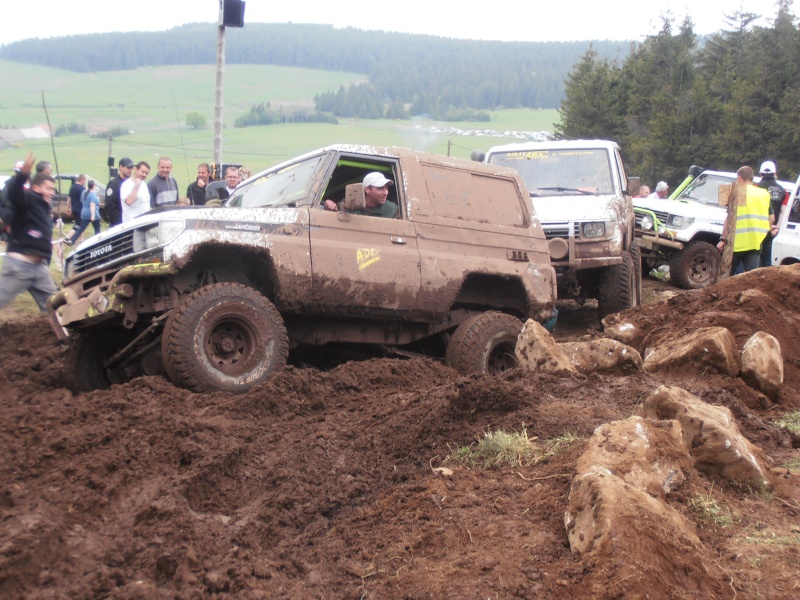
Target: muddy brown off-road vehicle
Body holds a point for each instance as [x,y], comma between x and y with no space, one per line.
[216,297]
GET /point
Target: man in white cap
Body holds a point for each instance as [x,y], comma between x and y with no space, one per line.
[768,173]
[376,193]
[662,190]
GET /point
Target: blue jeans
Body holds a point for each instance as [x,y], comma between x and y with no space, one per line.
[749,260]
[16,276]
[83,225]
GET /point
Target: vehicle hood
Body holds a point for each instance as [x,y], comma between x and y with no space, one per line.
[577,208]
[684,208]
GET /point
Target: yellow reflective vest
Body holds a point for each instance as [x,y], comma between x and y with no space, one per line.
[752,220]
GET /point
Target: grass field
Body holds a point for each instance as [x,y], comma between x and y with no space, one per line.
[152,103]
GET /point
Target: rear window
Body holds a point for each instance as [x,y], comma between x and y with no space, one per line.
[469,196]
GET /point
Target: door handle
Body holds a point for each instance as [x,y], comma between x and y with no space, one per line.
[398,240]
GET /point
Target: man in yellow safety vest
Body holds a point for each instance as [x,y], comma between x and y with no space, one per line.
[753,223]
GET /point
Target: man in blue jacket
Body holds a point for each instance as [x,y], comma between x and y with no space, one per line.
[27,262]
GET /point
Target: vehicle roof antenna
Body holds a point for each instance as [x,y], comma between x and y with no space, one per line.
[180,132]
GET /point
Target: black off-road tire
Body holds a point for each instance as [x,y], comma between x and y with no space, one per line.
[696,266]
[225,336]
[636,259]
[83,363]
[616,287]
[484,343]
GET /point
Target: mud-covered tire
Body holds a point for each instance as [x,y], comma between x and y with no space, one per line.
[636,264]
[225,336]
[695,267]
[83,362]
[484,343]
[616,287]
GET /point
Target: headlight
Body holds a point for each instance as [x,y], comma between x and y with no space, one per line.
[159,235]
[69,267]
[593,230]
[679,222]
[647,222]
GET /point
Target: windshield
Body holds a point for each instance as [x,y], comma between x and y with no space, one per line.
[560,172]
[705,189]
[285,187]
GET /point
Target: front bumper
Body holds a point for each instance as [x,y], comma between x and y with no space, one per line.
[73,307]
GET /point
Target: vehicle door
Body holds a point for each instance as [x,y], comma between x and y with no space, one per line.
[786,246]
[363,265]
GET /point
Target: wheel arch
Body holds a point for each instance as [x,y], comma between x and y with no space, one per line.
[489,291]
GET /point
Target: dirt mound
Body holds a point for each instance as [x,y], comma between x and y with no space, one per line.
[321,484]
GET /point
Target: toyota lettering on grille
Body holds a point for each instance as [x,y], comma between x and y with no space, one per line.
[100,251]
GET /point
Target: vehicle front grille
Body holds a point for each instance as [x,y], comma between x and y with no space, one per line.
[100,254]
[661,216]
[560,230]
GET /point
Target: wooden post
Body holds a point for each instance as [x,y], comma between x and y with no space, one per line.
[732,196]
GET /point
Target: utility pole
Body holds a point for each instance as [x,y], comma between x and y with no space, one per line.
[231,14]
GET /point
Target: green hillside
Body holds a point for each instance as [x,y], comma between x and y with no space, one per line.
[152,103]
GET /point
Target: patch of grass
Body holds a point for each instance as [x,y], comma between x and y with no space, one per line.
[769,537]
[499,448]
[793,464]
[708,508]
[790,421]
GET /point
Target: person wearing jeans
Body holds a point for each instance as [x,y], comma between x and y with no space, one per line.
[90,214]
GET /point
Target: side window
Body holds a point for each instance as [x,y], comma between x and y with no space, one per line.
[353,170]
[794,214]
[468,196]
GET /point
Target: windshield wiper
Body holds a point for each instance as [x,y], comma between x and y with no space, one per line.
[558,188]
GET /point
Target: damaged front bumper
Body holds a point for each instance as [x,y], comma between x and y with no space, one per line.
[76,306]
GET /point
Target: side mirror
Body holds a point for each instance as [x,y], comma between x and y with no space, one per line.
[694,170]
[634,183]
[478,155]
[354,197]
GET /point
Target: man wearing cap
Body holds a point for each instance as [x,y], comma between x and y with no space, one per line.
[113,198]
[376,192]
[777,193]
[662,190]
[26,265]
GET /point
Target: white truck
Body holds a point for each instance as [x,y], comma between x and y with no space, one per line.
[580,192]
[683,231]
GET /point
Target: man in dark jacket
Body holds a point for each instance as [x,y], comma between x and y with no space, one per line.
[26,265]
[196,192]
[113,200]
[75,205]
[768,172]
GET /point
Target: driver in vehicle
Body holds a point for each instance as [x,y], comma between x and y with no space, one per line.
[376,193]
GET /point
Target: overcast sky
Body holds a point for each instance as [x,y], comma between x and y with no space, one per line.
[511,20]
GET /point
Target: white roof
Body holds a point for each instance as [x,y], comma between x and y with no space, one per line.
[555,145]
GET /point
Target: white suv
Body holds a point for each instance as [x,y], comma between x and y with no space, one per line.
[786,245]
[683,232]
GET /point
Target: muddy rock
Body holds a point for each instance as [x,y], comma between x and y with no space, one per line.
[711,436]
[623,330]
[609,519]
[602,354]
[649,455]
[707,348]
[538,351]
[762,364]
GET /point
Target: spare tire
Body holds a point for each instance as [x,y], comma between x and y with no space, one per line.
[225,336]
[484,343]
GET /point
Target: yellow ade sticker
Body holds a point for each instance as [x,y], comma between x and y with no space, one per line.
[367,257]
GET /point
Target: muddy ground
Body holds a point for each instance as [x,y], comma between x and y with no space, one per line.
[320,484]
